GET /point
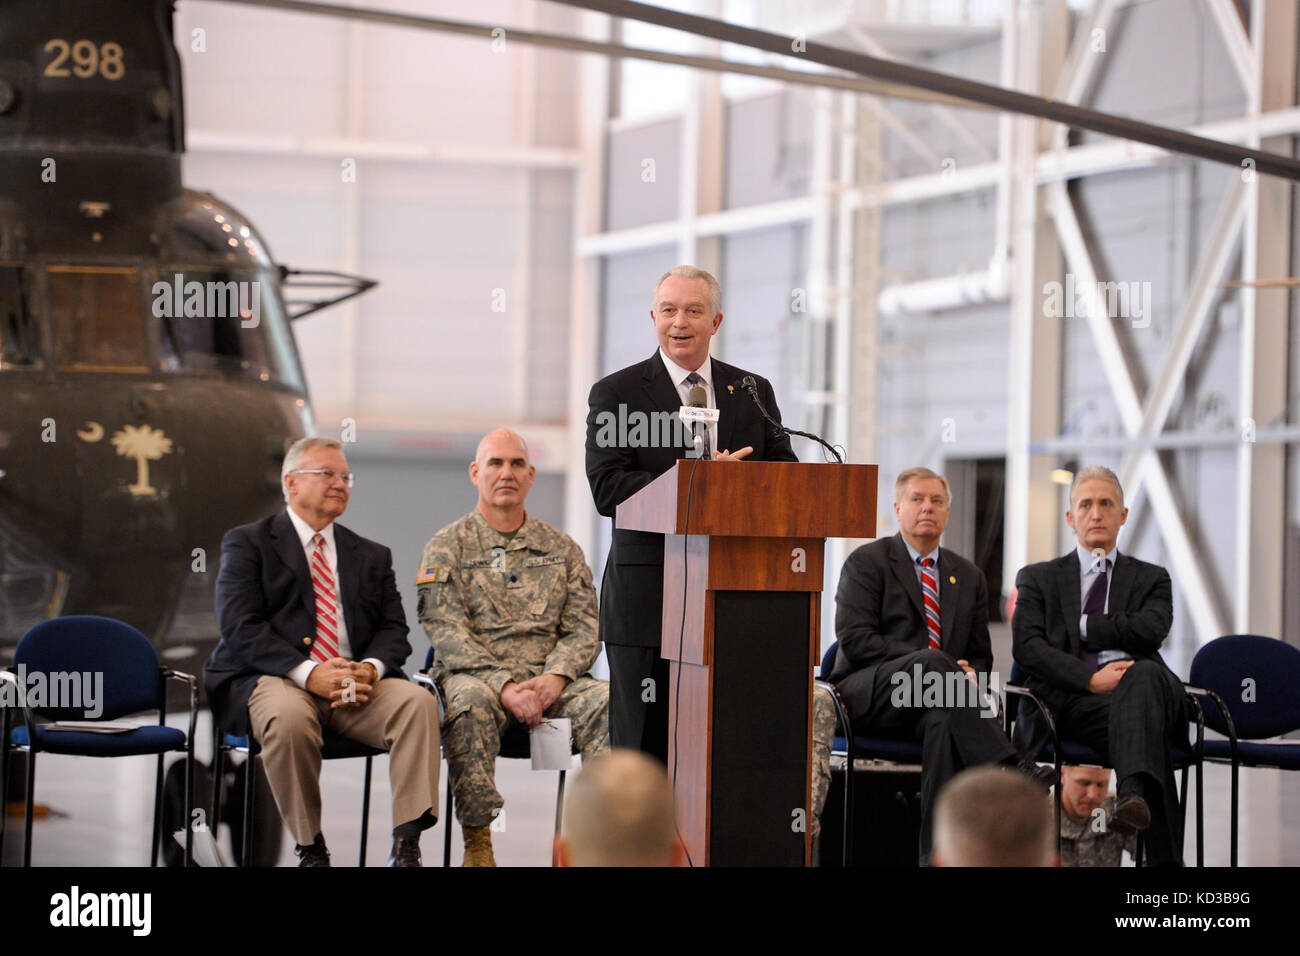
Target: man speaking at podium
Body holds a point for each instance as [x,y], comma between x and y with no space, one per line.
[626,450]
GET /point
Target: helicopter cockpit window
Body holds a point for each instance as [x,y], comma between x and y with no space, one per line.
[20,343]
[98,323]
[223,321]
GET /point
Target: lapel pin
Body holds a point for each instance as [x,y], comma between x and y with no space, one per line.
[952,579]
[731,389]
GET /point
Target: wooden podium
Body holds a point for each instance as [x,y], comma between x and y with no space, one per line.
[741,632]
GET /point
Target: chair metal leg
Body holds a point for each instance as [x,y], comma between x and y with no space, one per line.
[157,813]
[559,816]
[4,774]
[446,832]
[1200,814]
[218,771]
[189,801]
[250,768]
[365,812]
[1232,856]
[29,804]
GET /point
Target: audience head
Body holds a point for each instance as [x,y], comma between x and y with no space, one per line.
[620,812]
[1083,789]
[992,816]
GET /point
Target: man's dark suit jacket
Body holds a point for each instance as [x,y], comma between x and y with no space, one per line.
[880,614]
[1045,626]
[631,595]
[266,610]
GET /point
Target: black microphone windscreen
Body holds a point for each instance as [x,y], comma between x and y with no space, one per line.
[698,397]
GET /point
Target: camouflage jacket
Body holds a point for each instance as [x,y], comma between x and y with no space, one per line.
[507,610]
[1084,844]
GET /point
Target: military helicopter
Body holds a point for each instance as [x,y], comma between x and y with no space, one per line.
[149,378]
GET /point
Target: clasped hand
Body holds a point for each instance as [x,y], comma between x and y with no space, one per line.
[342,682]
[1107,678]
[529,700]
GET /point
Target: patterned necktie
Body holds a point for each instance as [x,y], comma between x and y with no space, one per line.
[706,450]
[326,646]
[1095,603]
[930,593]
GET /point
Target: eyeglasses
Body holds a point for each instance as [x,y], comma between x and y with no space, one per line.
[329,475]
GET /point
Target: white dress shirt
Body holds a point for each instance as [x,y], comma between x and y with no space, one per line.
[705,371]
[305,533]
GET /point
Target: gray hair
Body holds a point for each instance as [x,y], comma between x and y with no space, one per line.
[910,475]
[1090,472]
[293,457]
[692,272]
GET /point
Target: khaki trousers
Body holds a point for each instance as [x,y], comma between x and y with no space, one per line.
[288,723]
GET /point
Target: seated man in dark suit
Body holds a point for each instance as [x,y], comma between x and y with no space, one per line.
[911,619]
[1087,630]
[312,638]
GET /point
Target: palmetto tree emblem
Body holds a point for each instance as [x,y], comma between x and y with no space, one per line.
[144,444]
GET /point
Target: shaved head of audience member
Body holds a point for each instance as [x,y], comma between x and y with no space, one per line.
[620,812]
[989,817]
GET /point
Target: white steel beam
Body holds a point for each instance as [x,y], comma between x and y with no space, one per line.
[584,312]
[1083,61]
[1261,472]
[943,113]
[335,147]
[1187,332]
[1240,52]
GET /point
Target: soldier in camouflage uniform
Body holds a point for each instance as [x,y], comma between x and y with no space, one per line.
[825,722]
[509,606]
[1085,808]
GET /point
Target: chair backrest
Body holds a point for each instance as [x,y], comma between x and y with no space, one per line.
[89,668]
[1258,679]
[828,659]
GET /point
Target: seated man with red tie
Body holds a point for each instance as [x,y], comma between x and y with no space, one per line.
[1087,630]
[313,638]
[911,619]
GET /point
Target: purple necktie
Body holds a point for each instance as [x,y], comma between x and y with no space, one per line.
[1095,603]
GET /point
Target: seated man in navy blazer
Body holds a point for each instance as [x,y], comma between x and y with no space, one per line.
[912,623]
[312,638]
[1087,630]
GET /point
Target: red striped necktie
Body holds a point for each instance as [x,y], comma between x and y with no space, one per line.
[930,593]
[327,615]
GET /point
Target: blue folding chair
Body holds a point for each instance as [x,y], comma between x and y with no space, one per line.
[133,682]
[1072,753]
[1254,684]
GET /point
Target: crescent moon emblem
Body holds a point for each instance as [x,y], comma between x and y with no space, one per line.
[93,431]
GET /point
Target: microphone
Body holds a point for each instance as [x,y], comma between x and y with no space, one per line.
[697,397]
[751,386]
